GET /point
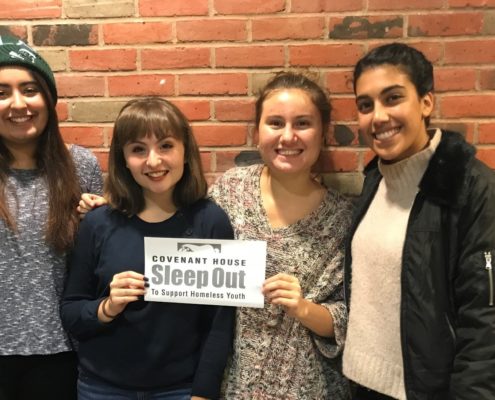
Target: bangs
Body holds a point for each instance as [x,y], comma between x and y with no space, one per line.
[144,120]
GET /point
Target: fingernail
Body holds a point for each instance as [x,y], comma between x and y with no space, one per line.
[146,284]
[145,279]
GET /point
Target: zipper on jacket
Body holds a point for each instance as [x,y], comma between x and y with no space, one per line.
[489,268]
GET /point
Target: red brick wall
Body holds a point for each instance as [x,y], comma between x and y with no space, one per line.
[210,56]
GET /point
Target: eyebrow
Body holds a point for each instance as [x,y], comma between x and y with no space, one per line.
[384,91]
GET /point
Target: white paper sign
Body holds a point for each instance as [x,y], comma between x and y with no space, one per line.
[205,271]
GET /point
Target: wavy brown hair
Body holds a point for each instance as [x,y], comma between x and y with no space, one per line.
[57,167]
[143,117]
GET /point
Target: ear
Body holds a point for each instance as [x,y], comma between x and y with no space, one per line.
[427,104]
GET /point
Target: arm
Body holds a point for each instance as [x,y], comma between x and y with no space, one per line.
[473,375]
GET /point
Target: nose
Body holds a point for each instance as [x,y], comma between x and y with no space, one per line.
[380,114]
[18,100]
[288,134]
[153,159]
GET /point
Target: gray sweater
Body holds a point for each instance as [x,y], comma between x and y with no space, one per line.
[31,274]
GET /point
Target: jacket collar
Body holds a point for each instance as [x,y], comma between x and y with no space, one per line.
[445,178]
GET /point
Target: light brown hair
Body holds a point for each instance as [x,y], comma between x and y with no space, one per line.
[143,117]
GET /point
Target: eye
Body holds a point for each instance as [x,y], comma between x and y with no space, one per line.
[275,123]
[364,106]
[4,92]
[31,90]
[137,149]
[302,124]
[166,145]
[393,98]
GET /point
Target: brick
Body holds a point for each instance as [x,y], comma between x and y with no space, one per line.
[342,135]
[468,106]
[209,84]
[288,28]
[487,155]
[65,35]
[194,109]
[220,135]
[248,6]
[207,167]
[29,9]
[471,3]
[137,33]
[250,56]
[445,24]
[168,8]
[225,160]
[102,157]
[487,79]
[349,183]
[374,5]
[103,60]
[339,82]
[488,23]
[366,27]
[486,133]
[95,111]
[337,160]
[433,51]
[57,59]
[314,6]
[141,85]
[80,86]
[211,29]
[62,111]
[98,8]
[234,110]
[344,109]
[470,52]
[88,136]
[177,57]
[320,55]
[448,79]
[466,129]
[16,30]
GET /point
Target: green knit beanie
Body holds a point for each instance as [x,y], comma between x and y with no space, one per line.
[14,51]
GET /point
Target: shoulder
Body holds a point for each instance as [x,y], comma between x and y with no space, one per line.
[81,155]
[101,217]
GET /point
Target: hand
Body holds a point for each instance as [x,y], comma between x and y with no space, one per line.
[285,290]
[198,398]
[125,288]
[88,202]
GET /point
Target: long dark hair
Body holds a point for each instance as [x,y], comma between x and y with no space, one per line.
[159,117]
[56,165]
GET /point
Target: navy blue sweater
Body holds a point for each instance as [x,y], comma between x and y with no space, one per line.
[151,345]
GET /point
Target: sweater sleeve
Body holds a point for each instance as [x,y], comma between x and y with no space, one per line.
[80,301]
[329,289]
[473,374]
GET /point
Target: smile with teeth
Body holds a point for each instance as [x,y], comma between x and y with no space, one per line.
[156,174]
[288,152]
[386,134]
[20,120]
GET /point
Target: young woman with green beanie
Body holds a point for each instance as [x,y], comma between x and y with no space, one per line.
[41,179]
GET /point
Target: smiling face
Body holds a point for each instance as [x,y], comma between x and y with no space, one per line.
[290,132]
[156,165]
[23,110]
[391,115]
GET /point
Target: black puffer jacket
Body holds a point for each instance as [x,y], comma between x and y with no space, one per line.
[447,311]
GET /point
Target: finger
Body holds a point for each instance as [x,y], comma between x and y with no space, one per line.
[272,286]
[281,277]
